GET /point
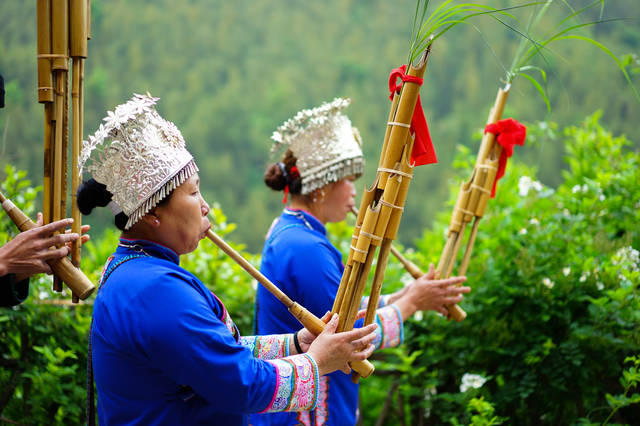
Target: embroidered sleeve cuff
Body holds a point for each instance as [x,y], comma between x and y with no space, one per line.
[382,301]
[390,330]
[268,347]
[296,384]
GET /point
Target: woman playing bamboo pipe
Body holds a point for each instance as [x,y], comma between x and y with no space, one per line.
[164,349]
[322,160]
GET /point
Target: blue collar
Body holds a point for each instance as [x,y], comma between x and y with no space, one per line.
[306,219]
[146,247]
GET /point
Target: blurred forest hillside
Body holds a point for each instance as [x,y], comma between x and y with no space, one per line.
[228,73]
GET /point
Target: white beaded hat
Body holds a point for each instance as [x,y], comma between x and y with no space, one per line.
[138,155]
[326,146]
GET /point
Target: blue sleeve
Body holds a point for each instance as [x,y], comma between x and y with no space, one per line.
[188,343]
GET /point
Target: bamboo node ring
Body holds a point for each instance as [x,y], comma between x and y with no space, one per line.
[372,236]
[395,172]
[396,123]
[393,206]
[358,250]
[481,188]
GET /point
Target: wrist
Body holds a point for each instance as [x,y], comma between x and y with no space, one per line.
[296,343]
[406,307]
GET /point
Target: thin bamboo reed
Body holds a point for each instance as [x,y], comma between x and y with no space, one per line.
[78,50]
[306,318]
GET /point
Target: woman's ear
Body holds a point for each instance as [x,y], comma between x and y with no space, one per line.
[151,219]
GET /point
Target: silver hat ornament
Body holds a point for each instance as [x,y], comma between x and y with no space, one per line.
[327,147]
[138,155]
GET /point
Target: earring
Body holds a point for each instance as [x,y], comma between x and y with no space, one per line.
[156,221]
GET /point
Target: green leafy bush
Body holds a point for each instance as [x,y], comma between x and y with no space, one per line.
[554,308]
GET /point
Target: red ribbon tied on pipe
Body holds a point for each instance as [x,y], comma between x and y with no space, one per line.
[423,152]
[509,132]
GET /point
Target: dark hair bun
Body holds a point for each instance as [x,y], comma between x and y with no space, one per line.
[92,194]
[274,178]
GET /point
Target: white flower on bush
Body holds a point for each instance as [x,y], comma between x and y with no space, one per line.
[469,381]
[600,286]
[566,271]
[525,184]
[627,257]
[418,316]
[548,283]
[534,221]
[523,231]
[584,276]
[580,188]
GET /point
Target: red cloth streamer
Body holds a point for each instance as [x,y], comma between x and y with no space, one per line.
[294,174]
[509,132]
[423,151]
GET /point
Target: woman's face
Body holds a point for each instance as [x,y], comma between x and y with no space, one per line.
[338,200]
[183,220]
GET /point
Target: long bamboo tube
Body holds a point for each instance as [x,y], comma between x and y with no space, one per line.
[58,157]
[306,318]
[62,267]
[60,66]
[46,96]
[45,79]
[78,50]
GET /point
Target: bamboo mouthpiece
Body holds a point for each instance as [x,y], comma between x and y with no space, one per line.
[306,318]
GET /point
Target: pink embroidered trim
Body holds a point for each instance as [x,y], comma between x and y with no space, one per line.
[304,418]
[389,321]
[321,413]
[268,347]
[322,408]
[297,384]
[228,322]
[382,301]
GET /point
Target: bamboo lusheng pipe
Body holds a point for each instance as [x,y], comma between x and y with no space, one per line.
[306,318]
[473,197]
[78,50]
[62,267]
[46,96]
[385,192]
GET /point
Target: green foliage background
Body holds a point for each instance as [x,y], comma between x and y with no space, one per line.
[228,73]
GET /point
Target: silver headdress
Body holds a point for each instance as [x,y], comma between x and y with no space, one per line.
[326,146]
[139,156]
